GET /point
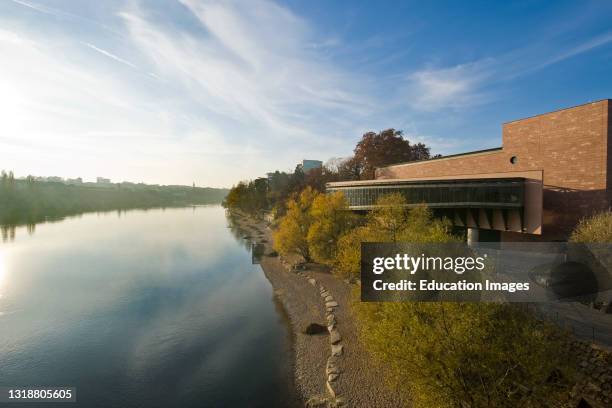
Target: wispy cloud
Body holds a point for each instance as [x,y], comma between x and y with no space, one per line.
[110,55]
[465,85]
[458,86]
[245,71]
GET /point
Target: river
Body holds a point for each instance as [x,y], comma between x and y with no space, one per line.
[156,308]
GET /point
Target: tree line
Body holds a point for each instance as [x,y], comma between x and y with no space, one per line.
[29,201]
[373,150]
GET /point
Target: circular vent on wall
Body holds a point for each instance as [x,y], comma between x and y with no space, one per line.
[514,160]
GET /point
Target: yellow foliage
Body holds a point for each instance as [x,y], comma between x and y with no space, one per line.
[466,354]
[330,219]
[292,232]
[595,229]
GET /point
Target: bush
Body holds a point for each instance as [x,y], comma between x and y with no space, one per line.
[594,229]
[466,354]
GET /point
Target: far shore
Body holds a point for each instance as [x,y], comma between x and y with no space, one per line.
[351,377]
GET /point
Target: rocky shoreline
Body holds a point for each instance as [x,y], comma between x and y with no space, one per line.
[331,367]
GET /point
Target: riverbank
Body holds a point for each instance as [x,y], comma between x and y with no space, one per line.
[313,295]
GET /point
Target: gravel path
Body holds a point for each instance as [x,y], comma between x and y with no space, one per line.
[353,379]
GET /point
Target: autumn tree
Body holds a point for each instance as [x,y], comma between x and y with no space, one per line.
[291,237]
[385,148]
[331,218]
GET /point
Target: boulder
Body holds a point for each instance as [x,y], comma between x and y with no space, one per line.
[334,336]
[314,328]
[329,298]
[312,281]
[337,349]
[333,303]
[330,389]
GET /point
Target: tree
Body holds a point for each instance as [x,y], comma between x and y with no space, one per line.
[385,148]
[348,251]
[389,217]
[350,169]
[331,218]
[390,221]
[291,237]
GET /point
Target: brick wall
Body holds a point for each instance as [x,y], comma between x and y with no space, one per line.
[570,146]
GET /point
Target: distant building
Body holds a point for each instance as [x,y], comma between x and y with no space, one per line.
[77,180]
[102,180]
[53,179]
[308,165]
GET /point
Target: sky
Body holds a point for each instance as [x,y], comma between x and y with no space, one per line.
[214,92]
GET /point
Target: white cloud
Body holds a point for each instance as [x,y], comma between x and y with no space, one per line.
[435,89]
[466,85]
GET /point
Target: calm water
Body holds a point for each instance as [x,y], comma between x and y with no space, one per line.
[142,309]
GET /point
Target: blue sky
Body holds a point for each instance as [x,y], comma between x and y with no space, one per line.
[173,92]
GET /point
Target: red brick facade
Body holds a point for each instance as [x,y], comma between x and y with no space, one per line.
[571,149]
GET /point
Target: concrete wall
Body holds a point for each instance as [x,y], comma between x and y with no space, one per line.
[569,146]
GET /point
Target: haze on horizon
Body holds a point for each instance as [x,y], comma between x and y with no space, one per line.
[212,92]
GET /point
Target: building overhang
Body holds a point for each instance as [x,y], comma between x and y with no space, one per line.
[505,202]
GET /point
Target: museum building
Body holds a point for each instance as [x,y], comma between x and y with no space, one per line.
[552,170]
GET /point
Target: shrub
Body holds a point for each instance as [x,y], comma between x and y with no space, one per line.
[594,229]
[467,354]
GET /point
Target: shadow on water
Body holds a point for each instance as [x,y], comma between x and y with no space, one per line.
[247,239]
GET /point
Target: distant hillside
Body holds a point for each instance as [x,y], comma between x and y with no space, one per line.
[29,201]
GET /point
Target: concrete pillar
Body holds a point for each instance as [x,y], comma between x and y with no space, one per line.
[472,237]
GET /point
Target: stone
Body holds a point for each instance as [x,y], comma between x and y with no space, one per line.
[337,349]
[333,303]
[329,309]
[334,336]
[331,326]
[332,377]
[312,281]
[332,369]
[329,298]
[324,294]
[314,328]
[318,401]
[330,389]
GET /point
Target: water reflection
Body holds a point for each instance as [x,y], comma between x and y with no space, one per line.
[156,309]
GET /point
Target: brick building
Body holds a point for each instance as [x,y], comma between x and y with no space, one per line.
[552,170]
